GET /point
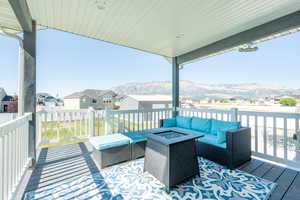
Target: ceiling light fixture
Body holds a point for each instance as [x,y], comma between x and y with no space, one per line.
[179,36]
[248,48]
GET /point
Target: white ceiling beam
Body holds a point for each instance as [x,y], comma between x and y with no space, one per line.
[276,26]
[22,13]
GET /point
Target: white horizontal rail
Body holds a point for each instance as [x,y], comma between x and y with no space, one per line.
[14,160]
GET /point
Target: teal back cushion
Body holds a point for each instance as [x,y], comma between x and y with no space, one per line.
[221,136]
[169,123]
[201,124]
[183,122]
[217,125]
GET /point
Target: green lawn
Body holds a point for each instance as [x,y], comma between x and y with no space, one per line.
[64,132]
[68,129]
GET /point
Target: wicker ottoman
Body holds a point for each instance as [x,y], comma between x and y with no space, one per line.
[110,149]
[137,144]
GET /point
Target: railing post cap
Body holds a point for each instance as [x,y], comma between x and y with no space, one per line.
[91,108]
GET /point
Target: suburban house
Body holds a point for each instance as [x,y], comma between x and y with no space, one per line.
[47,100]
[8,104]
[139,102]
[97,99]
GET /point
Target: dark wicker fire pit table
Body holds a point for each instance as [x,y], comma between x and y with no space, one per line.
[171,156]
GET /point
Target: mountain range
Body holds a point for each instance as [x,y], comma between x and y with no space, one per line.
[200,90]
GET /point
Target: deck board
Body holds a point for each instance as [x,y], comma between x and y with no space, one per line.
[274,173]
[284,181]
[251,166]
[262,169]
[294,190]
[65,163]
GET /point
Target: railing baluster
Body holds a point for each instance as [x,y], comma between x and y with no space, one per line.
[6,166]
[285,138]
[155,122]
[143,120]
[265,135]
[274,137]
[57,125]
[138,116]
[2,163]
[75,124]
[80,124]
[256,133]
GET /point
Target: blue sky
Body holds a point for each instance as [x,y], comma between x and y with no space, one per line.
[68,63]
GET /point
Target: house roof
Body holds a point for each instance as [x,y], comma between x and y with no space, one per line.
[168,28]
[160,98]
[8,98]
[90,93]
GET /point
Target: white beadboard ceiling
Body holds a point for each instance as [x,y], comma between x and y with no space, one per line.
[165,27]
[8,20]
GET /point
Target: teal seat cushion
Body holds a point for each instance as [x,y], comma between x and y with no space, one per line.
[223,125]
[183,122]
[212,140]
[135,137]
[109,141]
[201,124]
[169,123]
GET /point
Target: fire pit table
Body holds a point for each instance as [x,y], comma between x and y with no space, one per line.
[171,156]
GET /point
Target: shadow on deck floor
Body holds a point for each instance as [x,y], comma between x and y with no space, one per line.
[69,162]
[56,165]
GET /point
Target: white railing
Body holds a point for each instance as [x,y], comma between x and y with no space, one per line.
[271,132]
[62,125]
[14,159]
[135,120]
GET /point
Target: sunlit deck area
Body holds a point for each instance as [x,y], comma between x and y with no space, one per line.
[62,164]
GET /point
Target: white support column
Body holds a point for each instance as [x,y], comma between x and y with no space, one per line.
[28,86]
[175,86]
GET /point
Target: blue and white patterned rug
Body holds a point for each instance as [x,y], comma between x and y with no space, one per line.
[128,181]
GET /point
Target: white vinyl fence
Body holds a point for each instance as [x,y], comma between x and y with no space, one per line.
[272,132]
[14,158]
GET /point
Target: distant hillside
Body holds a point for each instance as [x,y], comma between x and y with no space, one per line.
[188,88]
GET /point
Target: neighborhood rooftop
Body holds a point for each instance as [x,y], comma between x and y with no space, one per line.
[167,98]
[89,93]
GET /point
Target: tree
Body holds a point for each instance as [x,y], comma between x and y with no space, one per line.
[288,101]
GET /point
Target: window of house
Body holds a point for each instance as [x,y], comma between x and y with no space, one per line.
[94,101]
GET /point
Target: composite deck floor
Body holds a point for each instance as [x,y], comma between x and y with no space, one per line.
[69,162]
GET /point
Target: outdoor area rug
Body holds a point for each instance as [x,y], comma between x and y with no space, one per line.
[128,181]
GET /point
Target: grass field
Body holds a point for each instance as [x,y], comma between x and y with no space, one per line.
[69,129]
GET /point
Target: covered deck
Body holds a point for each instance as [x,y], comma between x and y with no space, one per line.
[180,31]
[60,164]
